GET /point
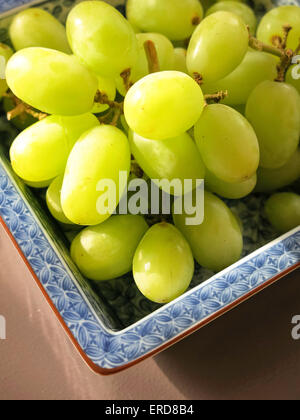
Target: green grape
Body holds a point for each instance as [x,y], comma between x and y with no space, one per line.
[273,109]
[218,46]
[99,155]
[21,121]
[65,87]
[38,185]
[272,24]
[38,28]
[217,242]
[227,143]
[175,158]
[180,60]
[176,19]
[41,151]
[5,53]
[102,38]
[106,251]
[293,76]
[254,69]
[269,180]
[163,105]
[163,264]
[237,8]
[283,211]
[229,190]
[53,199]
[165,53]
[107,87]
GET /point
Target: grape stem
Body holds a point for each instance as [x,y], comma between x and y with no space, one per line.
[215,98]
[198,78]
[22,108]
[116,108]
[279,49]
[152,56]
[125,75]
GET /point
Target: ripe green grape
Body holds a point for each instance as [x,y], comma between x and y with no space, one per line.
[5,53]
[41,151]
[283,211]
[274,111]
[102,38]
[227,143]
[237,8]
[175,19]
[53,199]
[163,105]
[21,121]
[98,156]
[163,264]
[175,158]
[165,53]
[108,88]
[254,69]
[106,251]
[39,185]
[51,81]
[180,60]
[229,190]
[218,46]
[217,242]
[38,28]
[293,76]
[272,24]
[269,180]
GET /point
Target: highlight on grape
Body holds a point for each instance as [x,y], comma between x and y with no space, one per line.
[2,328]
[296,69]
[152,198]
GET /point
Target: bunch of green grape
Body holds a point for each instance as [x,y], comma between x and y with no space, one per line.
[178,90]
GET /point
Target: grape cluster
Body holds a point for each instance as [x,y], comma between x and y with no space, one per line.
[177,91]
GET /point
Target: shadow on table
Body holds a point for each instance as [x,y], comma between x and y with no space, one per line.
[249,353]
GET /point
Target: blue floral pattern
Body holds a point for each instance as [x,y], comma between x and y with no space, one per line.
[107,346]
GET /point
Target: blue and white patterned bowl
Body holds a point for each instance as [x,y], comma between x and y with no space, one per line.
[113,325]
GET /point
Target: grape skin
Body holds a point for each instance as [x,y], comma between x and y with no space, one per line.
[290,78]
[41,151]
[255,68]
[180,60]
[238,8]
[229,190]
[163,264]
[163,105]
[165,54]
[175,158]
[172,18]
[227,143]
[283,211]
[272,24]
[108,44]
[66,87]
[100,154]
[6,52]
[211,53]
[269,180]
[53,199]
[274,111]
[38,28]
[217,242]
[106,251]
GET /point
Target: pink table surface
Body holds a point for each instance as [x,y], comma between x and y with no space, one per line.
[247,354]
